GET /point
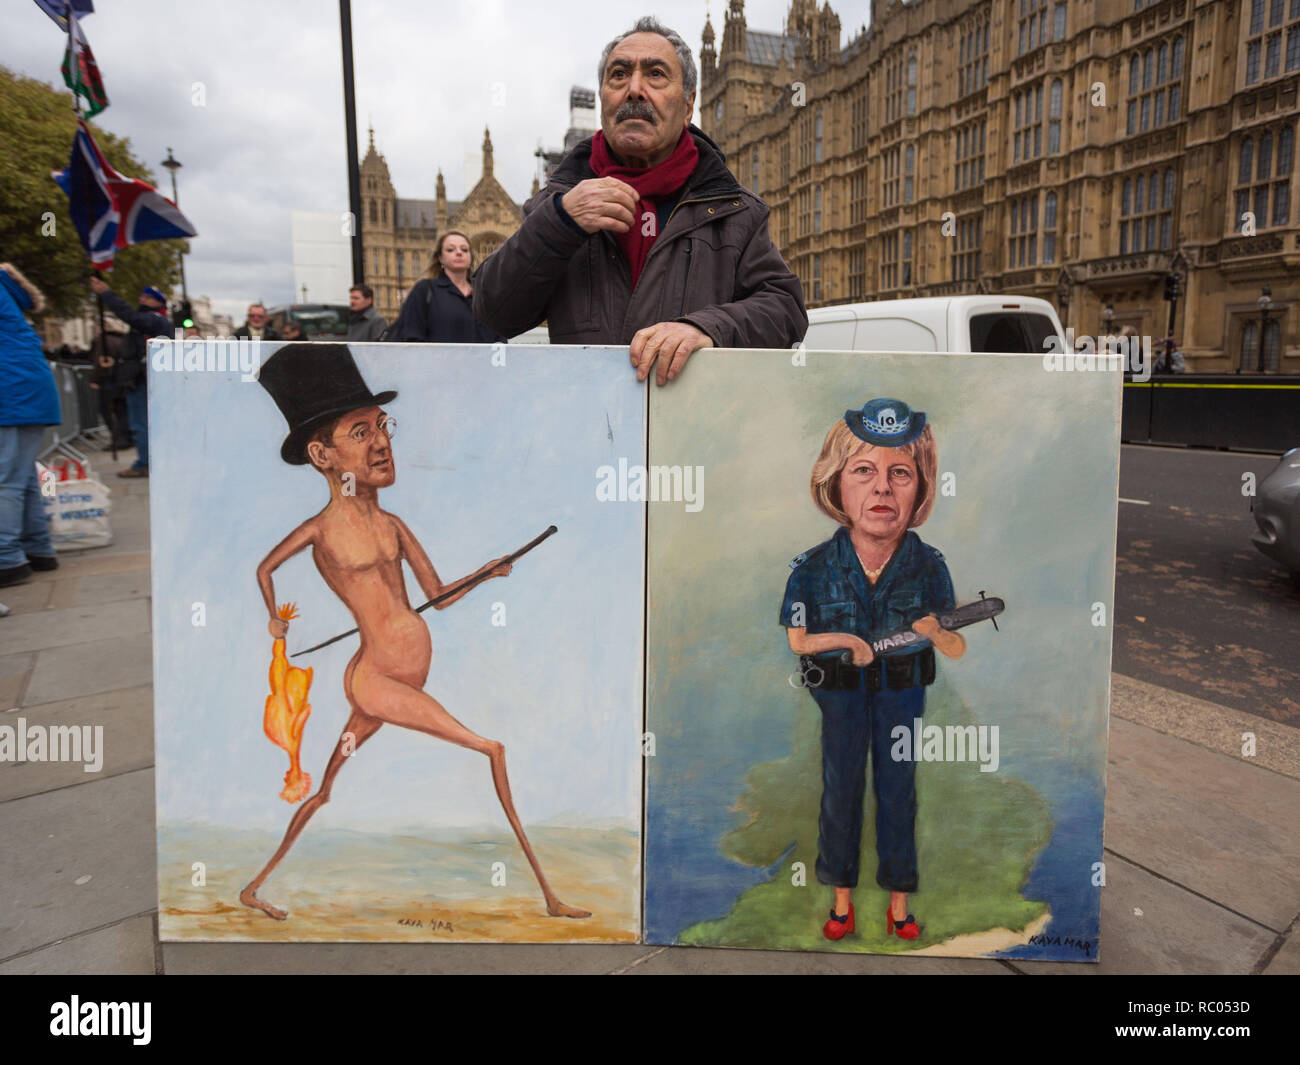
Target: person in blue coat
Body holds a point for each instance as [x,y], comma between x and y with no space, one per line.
[875,477]
[29,401]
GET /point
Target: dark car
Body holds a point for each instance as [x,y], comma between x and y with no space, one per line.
[318,321]
[1276,507]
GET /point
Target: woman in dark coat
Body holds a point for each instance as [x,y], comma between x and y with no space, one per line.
[439,309]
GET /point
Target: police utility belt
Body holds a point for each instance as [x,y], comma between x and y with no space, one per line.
[830,672]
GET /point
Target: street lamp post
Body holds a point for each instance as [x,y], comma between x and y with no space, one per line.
[1107,317]
[1264,301]
[173,164]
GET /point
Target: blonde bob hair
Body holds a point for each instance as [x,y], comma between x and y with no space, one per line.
[841,445]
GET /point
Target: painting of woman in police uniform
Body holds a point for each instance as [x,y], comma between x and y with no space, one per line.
[876,478]
[847,758]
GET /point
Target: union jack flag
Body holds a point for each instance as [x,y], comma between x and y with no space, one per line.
[110,211]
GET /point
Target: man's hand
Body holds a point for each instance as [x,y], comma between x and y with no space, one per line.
[278,628]
[601,203]
[500,568]
[98,286]
[672,343]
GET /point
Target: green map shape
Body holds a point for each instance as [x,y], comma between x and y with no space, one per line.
[977,835]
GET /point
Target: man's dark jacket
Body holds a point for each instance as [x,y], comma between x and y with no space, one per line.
[245,333]
[129,367]
[713,265]
[365,326]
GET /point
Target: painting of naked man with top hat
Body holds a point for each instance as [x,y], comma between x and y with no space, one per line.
[397,676]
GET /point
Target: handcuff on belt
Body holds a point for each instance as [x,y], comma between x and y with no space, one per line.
[835,672]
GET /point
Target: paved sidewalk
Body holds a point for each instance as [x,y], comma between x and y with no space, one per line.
[1202,858]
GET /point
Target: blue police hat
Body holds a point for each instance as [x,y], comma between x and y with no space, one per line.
[154,294]
[885,422]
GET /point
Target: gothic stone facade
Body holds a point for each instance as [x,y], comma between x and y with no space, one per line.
[398,236]
[1076,150]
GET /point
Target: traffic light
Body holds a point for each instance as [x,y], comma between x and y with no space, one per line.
[1173,287]
[183,315]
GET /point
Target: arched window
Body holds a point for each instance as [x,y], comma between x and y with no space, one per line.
[1162,63]
[1147,71]
[1250,345]
[1272,345]
[1125,196]
[1247,155]
[1263,168]
[383,207]
[1285,150]
[1054,118]
[1049,228]
[1169,188]
[1133,81]
[1140,198]
[1153,192]
[374,217]
[1176,66]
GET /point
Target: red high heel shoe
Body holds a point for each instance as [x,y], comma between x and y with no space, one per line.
[904,929]
[837,927]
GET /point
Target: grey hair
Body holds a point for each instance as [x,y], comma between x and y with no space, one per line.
[650,24]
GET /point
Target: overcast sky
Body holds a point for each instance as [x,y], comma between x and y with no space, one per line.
[270,138]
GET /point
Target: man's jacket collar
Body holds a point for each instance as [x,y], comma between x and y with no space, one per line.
[711,176]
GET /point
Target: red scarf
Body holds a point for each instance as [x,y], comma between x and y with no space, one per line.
[652,183]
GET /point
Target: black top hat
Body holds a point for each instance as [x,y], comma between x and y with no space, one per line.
[311,384]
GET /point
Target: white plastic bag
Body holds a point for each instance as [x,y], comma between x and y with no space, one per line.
[78,509]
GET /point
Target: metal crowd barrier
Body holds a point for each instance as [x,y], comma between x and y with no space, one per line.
[79,407]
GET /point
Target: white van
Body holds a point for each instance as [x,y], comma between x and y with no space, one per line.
[962,324]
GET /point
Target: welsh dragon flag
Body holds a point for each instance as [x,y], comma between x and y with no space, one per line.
[80,72]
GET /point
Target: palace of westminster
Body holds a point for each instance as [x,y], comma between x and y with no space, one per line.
[1081,151]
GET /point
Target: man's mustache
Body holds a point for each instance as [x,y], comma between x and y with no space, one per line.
[635,109]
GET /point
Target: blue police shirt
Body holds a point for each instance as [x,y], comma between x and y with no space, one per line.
[837,597]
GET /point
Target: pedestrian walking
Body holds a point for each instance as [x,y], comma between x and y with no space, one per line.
[131,374]
[29,401]
[105,352]
[365,324]
[439,309]
[255,326]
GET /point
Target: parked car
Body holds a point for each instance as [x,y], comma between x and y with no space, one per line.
[1276,509]
[944,323]
[319,321]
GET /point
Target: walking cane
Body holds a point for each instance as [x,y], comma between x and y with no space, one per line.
[550,531]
